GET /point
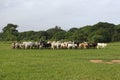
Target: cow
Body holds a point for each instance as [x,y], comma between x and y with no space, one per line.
[64,45]
[13,45]
[72,45]
[92,45]
[84,45]
[16,45]
[43,44]
[28,45]
[56,45]
[36,45]
[101,45]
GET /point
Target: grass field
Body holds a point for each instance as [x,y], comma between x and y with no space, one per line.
[59,64]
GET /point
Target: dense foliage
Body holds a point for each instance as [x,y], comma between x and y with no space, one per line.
[100,32]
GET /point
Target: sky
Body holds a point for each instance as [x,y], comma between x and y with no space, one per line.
[37,15]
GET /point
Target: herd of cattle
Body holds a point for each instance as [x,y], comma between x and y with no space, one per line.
[57,45]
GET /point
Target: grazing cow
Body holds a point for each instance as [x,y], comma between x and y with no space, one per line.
[72,45]
[84,45]
[92,44]
[101,45]
[53,45]
[44,44]
[28,45]
[56,45]
[64,45]
[15,45]
[36,45]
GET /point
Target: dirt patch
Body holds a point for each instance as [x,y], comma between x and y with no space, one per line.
[108,62]
[103,61]
[116,61]
[96,61]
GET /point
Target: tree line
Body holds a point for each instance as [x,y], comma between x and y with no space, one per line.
[100,32]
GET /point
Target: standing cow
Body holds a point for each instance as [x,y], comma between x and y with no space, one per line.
[72,45]
[28,45]
[101,45]
[16,45]
[84,45]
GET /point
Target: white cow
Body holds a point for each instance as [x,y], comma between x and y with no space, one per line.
[101,45]
[64,45]
[55,45]
[72,45]
[28,45]
[15,45]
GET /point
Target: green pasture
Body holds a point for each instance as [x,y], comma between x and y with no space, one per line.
[47,64]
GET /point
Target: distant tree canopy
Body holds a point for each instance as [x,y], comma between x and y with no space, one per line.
[10,33]
[100,32]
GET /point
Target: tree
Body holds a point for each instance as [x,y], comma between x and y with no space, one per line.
[53,31]
[28,35]
[79,36]
[1,36]
[116,35]
[42,35]
[73,30]
[69,33]
[96,38]
[101,31]
[10,33]
[103,25]
[59,36]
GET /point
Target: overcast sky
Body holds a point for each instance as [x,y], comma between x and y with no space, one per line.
[44,14]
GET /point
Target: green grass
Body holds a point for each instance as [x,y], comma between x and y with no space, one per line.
[58,64]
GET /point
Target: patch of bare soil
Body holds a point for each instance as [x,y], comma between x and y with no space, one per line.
[107,62]
[96,61]
[116,61]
